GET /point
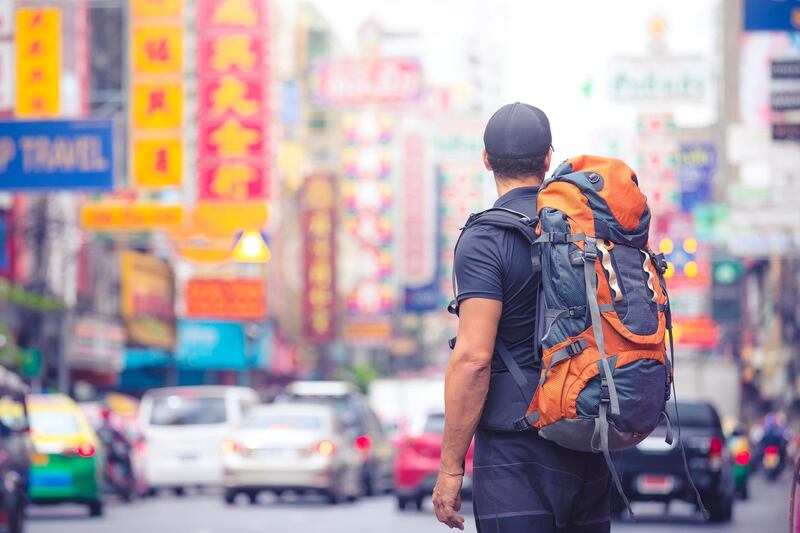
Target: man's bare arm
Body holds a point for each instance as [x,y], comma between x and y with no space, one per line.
[467,378]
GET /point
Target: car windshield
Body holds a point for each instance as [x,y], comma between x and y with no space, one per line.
[179,410]
[698,415]
[294,421]
[54,423]
[342,406]
[434,424]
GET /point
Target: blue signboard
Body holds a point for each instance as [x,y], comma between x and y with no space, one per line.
[211,345]
[56,154]
[697,164]
[772,15]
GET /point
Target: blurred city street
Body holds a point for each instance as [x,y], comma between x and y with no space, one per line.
[229,289]
[208,514]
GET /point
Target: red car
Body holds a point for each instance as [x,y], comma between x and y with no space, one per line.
[417,464]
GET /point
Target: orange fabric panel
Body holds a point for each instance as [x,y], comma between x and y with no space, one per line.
[568,198]
[655,338]
[570,403]
[624,198]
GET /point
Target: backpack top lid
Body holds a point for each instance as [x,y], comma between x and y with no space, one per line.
[602,197]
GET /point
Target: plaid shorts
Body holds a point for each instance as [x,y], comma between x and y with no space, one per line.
[523,483]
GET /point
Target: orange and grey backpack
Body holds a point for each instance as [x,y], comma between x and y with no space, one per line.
[603,312]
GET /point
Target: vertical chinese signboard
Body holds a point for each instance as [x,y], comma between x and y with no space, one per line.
[7,74]
[458,147]
[319,258]
[157,95]
[419,224]
[233,99]
[147,293]
[367,196]
[38,71]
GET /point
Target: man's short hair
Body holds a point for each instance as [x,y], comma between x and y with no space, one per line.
[518,167]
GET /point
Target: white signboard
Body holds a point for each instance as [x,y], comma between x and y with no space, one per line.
[6,76]
[660,79]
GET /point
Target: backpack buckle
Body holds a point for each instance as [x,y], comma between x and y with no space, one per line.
[521,424]
[605,397]
[590,251]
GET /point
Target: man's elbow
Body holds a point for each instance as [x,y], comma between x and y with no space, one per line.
[475,362]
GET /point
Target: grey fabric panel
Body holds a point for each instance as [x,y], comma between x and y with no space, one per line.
[637,310]
[641,388]
[562,280]
[576,434]
[507,404]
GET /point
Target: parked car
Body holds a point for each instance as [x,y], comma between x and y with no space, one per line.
[352,406]
[417,463]
[183,428]
[68,461]
[654,470]
[291,447]
[15,450]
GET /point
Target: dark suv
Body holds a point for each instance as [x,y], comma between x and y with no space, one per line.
[654,470]
[361,423]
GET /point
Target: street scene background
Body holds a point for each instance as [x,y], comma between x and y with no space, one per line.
[263,196]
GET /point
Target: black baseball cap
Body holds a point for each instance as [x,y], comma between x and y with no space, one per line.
[518,131]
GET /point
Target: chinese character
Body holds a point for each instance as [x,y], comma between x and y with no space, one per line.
[233,51]
[235,13]
[232,181]
[162,161]
[157,101]
[231,95]
[157,50]
[232,139]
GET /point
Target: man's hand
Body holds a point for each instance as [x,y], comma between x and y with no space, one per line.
[447,500]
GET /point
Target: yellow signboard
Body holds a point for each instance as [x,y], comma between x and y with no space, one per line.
[125,216]
[157,105]
[157,163]
[147,294]
[38,46]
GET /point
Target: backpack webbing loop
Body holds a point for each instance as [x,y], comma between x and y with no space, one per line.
[590,257]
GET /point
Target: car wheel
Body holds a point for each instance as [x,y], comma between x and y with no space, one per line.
[16,519]
[96,508]
[252,496]
[230,496]
[419,502]
[179,491]
[721,511]
[402,503]
[334,496]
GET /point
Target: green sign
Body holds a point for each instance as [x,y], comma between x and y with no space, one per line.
[31,365]
[726,290]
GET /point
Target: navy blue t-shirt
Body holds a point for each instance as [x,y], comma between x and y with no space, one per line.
[495,263]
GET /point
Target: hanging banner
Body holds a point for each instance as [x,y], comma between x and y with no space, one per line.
[147,294]
[233,91]
[318,223]
[235,299]
[157,93]
[38,62]
[56,154]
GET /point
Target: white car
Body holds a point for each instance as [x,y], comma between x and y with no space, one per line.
[184,428]
[292,447]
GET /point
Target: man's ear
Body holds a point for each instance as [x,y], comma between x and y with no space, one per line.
[486,161]
[548,159]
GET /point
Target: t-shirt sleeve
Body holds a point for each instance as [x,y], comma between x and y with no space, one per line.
[478,266]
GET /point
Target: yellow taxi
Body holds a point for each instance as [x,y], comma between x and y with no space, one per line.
[68,463]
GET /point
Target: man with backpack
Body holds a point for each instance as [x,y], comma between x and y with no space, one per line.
[530,378]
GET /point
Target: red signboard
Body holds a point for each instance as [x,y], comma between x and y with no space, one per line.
[364,81]
[318,220]
[239,299]
[233,99]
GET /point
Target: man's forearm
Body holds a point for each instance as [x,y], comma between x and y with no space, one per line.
[465,388]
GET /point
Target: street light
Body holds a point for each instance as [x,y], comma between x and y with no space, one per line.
[251,248]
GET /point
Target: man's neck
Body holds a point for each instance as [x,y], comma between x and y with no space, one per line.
[505,185]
